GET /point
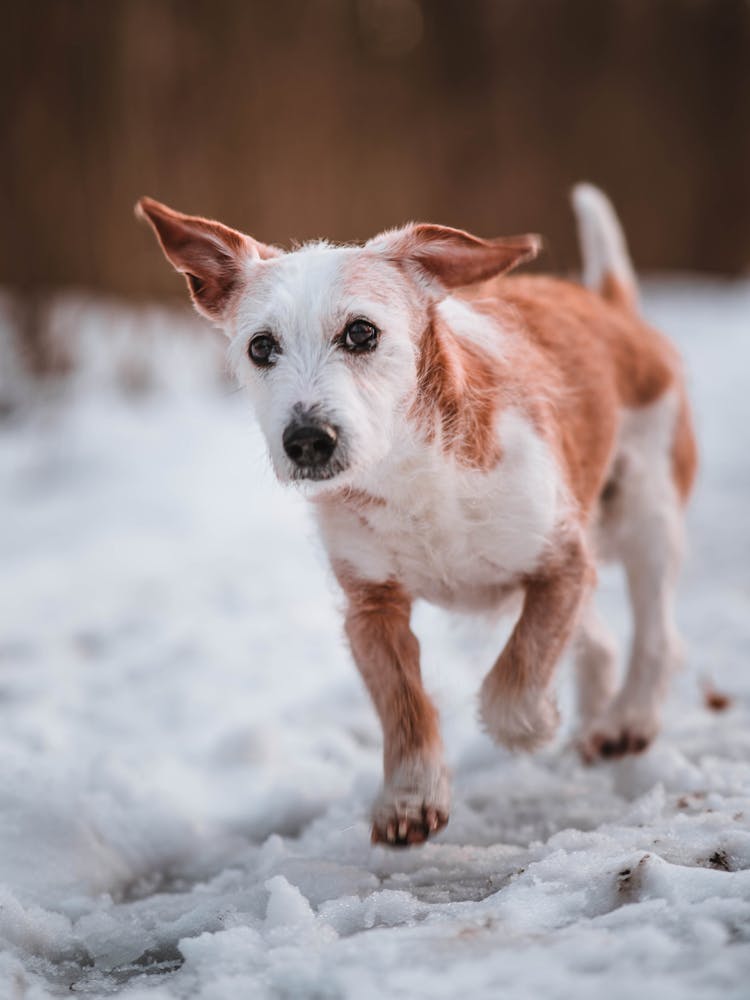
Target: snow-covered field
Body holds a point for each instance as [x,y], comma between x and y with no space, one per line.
[187,755]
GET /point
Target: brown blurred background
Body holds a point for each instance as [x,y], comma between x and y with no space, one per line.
[300,118]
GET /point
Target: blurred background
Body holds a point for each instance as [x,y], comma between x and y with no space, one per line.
[305,118]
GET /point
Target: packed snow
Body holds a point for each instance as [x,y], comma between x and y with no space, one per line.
[188,755]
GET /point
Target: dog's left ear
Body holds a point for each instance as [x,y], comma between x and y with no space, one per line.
[213,257]
[451,256]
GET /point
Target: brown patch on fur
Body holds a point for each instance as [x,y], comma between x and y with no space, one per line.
[457,396]
[386,652]
[684,450]
[576,360]
[208,253]
[591,339]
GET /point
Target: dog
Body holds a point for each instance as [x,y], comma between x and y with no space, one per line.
[465,437]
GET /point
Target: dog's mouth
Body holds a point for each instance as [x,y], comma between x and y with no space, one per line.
[319,473]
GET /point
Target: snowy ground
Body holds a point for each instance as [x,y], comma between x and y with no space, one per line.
[187,756]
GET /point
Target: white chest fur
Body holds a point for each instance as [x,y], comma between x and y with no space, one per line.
[456,537]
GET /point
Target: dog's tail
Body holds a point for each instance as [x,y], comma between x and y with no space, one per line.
[606,262]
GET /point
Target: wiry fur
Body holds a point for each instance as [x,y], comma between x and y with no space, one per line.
[505,434]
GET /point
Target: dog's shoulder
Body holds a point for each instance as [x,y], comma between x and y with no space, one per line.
[588,336]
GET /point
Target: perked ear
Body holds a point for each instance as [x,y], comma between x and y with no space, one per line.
[212,257]
[453,257]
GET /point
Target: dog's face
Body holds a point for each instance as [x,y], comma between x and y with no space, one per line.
[327,339]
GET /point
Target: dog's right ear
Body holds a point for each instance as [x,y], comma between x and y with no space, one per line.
[453,258]
[213,257]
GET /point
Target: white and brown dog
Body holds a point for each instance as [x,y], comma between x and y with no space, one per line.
[465,436]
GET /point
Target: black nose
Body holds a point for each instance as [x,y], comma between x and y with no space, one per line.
[309,443]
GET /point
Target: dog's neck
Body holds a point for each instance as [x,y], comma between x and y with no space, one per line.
[458,392]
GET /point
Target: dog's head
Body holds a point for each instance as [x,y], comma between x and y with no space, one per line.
[327,338]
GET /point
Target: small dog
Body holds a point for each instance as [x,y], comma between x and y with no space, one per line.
[464,436]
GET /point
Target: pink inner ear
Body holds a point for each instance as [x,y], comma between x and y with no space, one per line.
[208,253]
[211,280]
[212,269]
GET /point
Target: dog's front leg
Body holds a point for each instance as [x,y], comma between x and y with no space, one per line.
[516,706]
[415,799]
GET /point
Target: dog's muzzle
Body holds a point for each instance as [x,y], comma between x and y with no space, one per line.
[310,443]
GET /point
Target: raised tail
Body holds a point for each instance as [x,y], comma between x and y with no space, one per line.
[607,267]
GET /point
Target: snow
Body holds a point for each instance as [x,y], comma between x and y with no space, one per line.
[188,755]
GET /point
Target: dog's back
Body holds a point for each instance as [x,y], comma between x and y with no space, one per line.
[593,358]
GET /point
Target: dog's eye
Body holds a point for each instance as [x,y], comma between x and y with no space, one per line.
[360,336]
[263,350]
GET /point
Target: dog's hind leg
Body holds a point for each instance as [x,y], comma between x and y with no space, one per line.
[649,541]
[595,657]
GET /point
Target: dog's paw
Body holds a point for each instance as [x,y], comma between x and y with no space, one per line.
[623,729]
[523,721]
[412,806]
